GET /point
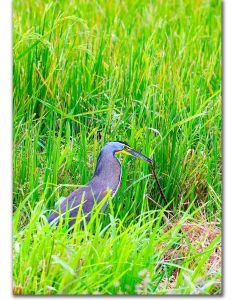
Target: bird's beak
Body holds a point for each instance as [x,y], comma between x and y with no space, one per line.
[137,154]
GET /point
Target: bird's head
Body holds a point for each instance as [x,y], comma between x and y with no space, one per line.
[122,147]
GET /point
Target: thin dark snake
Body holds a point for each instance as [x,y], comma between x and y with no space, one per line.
[158,183]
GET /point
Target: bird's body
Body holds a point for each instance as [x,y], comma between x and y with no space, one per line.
[107,177]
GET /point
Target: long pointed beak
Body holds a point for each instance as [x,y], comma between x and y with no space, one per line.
[139,155]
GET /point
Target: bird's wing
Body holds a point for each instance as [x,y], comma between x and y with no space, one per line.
[83,198]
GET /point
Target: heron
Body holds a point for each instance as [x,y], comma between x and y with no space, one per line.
[106,178]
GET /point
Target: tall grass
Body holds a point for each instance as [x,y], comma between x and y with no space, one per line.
[86,73]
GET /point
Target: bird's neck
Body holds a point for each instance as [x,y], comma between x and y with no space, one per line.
[108,171]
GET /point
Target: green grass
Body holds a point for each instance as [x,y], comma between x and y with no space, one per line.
[85,73]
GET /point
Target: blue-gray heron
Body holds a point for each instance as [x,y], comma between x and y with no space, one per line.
[107,177]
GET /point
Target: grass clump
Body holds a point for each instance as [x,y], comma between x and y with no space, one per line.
[148,73]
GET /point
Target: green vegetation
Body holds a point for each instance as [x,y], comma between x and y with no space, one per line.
[145,72]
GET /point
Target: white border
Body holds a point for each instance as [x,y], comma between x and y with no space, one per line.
[231,67]
[231,150]
[5,154]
